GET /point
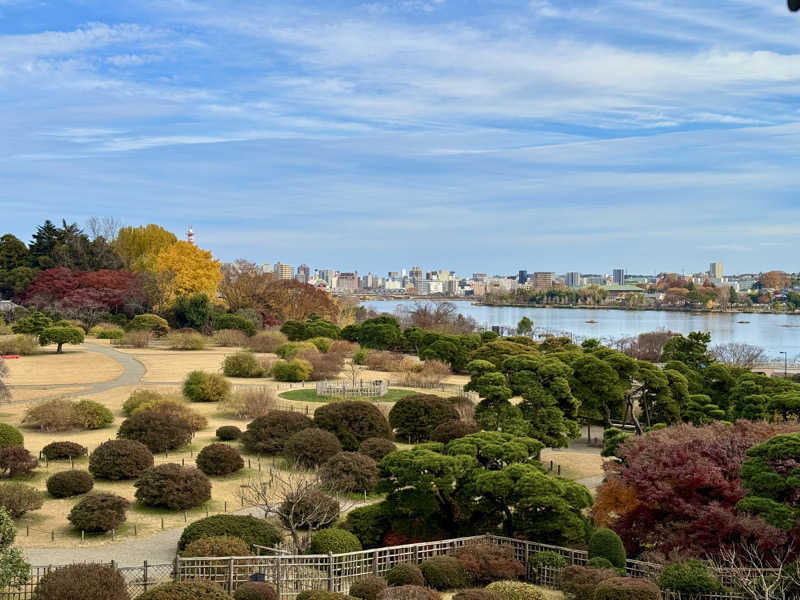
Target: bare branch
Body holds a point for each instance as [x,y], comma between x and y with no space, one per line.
[737,354]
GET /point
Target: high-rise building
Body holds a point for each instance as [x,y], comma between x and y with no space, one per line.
[328,276]
[619,276]
[522,277]
[347,281]
[715,270]
[303,273]
[283,271]
[573,279]
[266,268]
[543,280]
[415,274]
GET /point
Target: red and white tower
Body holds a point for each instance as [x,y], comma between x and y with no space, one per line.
[190,235]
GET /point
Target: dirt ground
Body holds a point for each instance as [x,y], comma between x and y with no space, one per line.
[575,465]
[75,365]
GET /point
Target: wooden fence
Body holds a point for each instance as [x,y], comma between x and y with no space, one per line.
[348,389]
[292,574]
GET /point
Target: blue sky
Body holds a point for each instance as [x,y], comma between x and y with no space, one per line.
[471,135]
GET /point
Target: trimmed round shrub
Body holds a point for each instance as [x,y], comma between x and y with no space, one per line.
[173,486]
[548,558]
[149,322]
[376,448]
[690,577]
[242,364]
[232,321]
[200,386]
[266,341]
[289,350]
[10,436]
[297,369]
[228,433]
[15,461]
[311,447]
[409,592]
[335,541]
[322,344]
[490,562]
[19,498]
[415,417]
[444,573]
[92,415]
[476,594]
[452,430]
[368,588]
[250,529]
[312,508]
[120,459]
[220,545]
[219,459]
[62,450]
[321,595]
[268,434]
[69,483]
[255,590]
[110,334]
[369,523]
[580,582]
[230,338]
[186,590]
[99,512]
[139,397]
[176,407]
[84,581]
[405,574]
[626,588]
[159,431]
[514,590]
[349,472]
[605,543]
[353,422]
[598,562]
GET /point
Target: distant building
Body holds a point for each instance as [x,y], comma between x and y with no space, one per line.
[303,274]
[619,277]
[266,268]
[522,277]
[715,270]
[415,274]
[573,279]
[347,281]
[543,280]
[283,271]
[480,276]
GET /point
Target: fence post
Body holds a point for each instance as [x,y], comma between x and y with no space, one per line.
[176,569]
[230,575]
[278,575]
[330,571]
[144,578]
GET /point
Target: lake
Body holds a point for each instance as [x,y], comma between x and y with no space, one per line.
[773,332]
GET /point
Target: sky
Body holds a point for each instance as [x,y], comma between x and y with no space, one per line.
[477,136]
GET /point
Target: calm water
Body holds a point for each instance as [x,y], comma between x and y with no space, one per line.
[768,331]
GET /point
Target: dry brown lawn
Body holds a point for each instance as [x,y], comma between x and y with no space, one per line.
[575,465]
[171,366]
[75,365]
[32,394]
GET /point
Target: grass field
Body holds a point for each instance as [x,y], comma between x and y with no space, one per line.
[310,395]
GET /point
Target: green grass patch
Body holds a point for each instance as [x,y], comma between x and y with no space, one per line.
[310,395]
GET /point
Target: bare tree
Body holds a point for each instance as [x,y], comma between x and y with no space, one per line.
[761,574]
[104,227]
[5,393]
[297,499]
[737,354]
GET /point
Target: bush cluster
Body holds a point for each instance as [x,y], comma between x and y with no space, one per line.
[219,459]
[175,406]
[137,339]
[296,369]
[19,498]
[323,365]
[218,545]
[228,433]
[92,415]
[368,588]
[158,326]
[250,403]
[138,398]
[173,486]
[376,448]
[405,574]
[605,543]
[691,577]
[626,588]
[444,573]
[249,529]
[186,340]
[268,434]
[230,338]
[61,415]
[353,422]
[349,472]
[321,595]
[185,590]
[409,592]
[242,364]
[24,345]
[452,430]
[514,590]
[159,431]
[237,322]
[369,523]
[62,450]
[311,447]
[255,590]
[69,483]
[15,461]
[476,594]
[289,350]
[580,582]
[10,436]
[335,541]
[266,341]
[82,581]
[312,508]
[489,562]
[120,459]
[415,417]
[99,513]
[110,334]
[206,387]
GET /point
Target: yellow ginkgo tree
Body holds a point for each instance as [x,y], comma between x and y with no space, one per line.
[183,269]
